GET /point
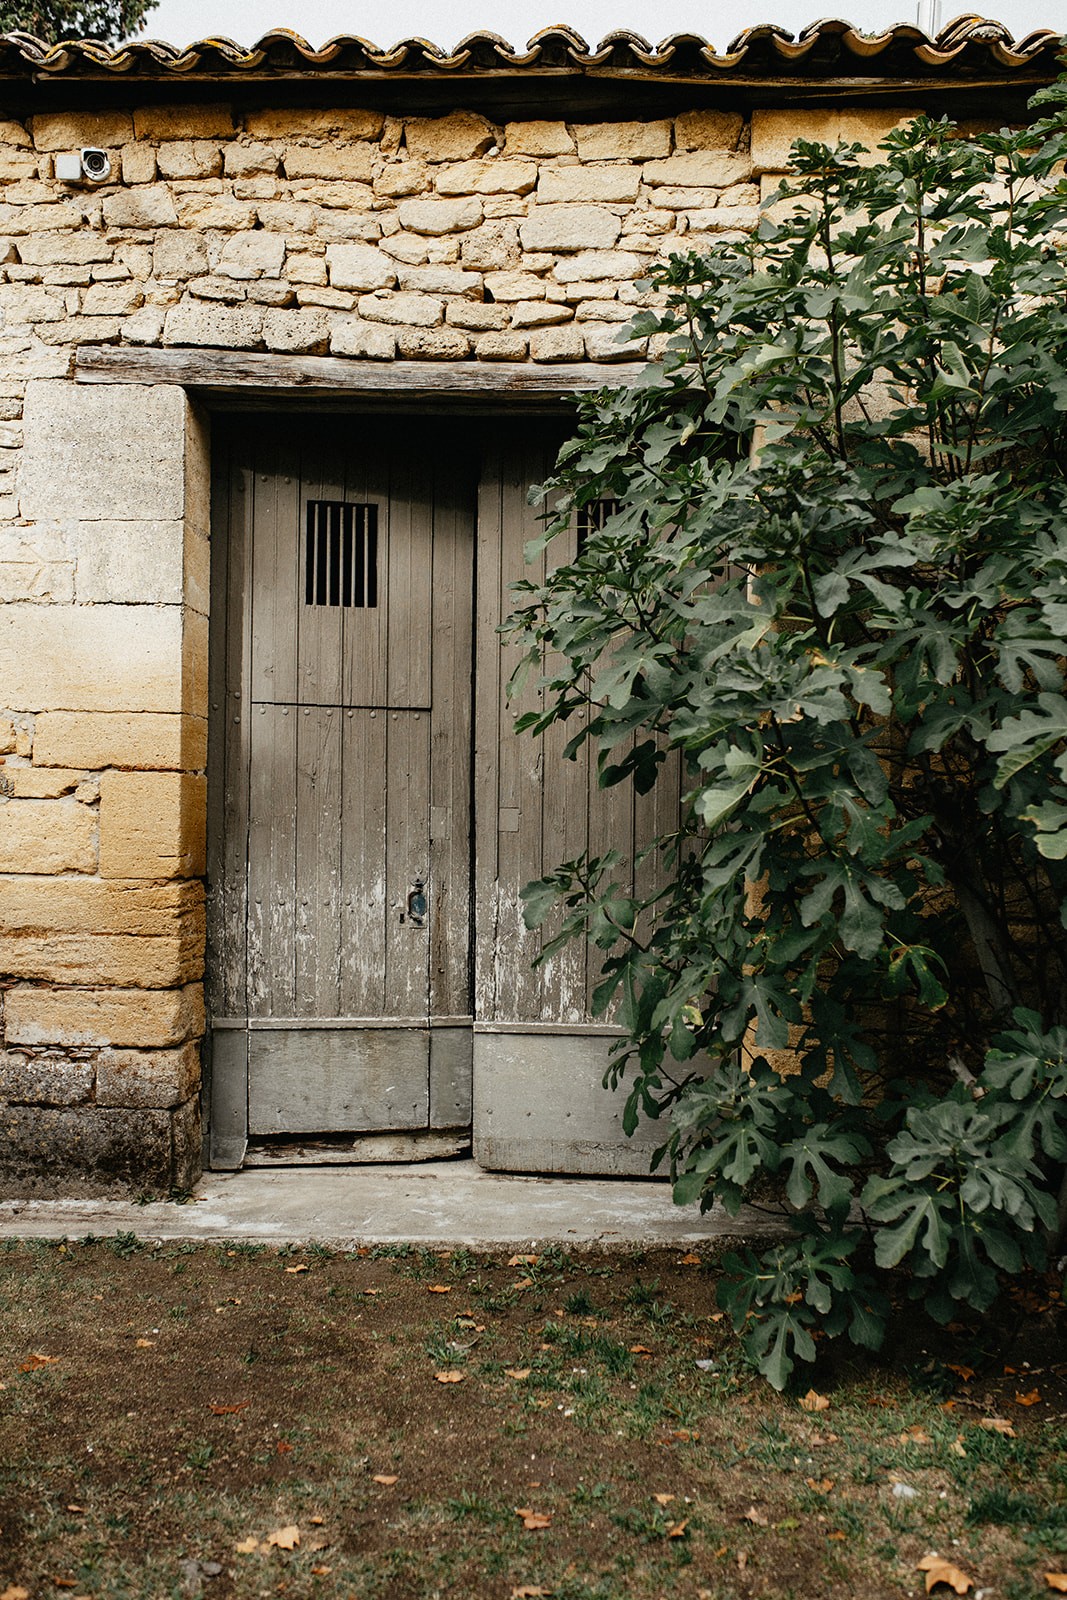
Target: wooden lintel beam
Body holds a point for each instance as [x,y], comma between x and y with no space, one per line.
[240,372]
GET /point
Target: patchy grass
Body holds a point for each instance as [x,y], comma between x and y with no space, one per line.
[166,1410]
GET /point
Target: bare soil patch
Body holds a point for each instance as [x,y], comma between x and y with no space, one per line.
[183,1420]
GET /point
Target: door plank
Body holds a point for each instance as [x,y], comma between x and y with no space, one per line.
[318,860]
[316,1080]
[407,946]
[364,901]
[272,862]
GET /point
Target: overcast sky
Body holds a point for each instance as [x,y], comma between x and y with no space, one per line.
[445,22]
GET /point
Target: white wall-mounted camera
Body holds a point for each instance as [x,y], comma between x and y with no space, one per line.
[83,166]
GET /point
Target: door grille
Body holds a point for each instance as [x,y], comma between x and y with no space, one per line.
[341,554]
[593,517]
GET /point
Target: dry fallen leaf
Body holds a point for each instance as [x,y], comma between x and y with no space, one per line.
[439,1288]
[640,1350]
[285,1538]
[35,1361]
[1031,1398]
[678,1530]
[938,1571]
[529,1591]
[247,1546]
[64,1583]
[301,1268]
[1057,1581]
[283,1447]
[525,1283]
[997,1425]
[388,1478]
[145,1344]
[915,1435]
[14,1592]
[450,1377]
[520,1374]
[966,1373]
[753,1515]
[814,1402]
[533,1519]
[523,1261]
[229,1411]
[820,1485]
[663,1499]
[836,1534]
[690,1260]
[321,1572]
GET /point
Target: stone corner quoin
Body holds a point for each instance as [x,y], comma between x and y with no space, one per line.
[344,232]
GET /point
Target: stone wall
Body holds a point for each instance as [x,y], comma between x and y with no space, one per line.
[297,231]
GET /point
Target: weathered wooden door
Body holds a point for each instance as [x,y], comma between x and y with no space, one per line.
[340,779]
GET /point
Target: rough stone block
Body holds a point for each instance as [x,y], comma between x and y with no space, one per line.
[505,286]
[107,451]
[359,266]
[91,740]
[557,344]
[708,130]
[538,313]
[297,332]
[47,836]
[495,176]
[179,255]
[138,164]
[699,169]
[258,254]
[48,905]
[149,206]
[138,1019]
[39,783]
[81,330]
[538,139]
[603,342]
[183,121]
[152,824]
[352,336]
[44,1080]
[591,265]
[441,280]
[65,249]
[348,163]
[774,132]
[53,1150]
[632,141]
[92,658]
[432,344]
[14,133]
[724,219]
[569,228]
[307,123]
[221,327]
[69,130]
[147,1078]
[500,347]
[492,247]
[23,302]
[221,211]
[251,161]
[457,137]
[401,178]
[475,314]
[115,959]
[402,310]
[604,184]
[437,217]
[111,299]
[189,159]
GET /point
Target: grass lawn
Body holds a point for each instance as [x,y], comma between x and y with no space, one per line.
[183,1420]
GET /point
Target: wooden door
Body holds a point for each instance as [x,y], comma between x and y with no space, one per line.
[340,779]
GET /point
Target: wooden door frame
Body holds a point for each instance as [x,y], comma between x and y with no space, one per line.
[222,381]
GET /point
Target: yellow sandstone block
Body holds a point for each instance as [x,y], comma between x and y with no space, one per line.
[47,836]
[152,824]
[142,740]
[146,1019]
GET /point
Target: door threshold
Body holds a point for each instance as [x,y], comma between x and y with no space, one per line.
[364,1149]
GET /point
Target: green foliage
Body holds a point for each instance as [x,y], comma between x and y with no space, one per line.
[105,21]
[834,594]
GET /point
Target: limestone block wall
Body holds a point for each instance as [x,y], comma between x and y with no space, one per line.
[348,232]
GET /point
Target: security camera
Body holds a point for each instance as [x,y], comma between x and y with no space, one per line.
[83,166]
[96,165]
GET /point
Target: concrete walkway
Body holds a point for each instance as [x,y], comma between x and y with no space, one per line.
[435,1203]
